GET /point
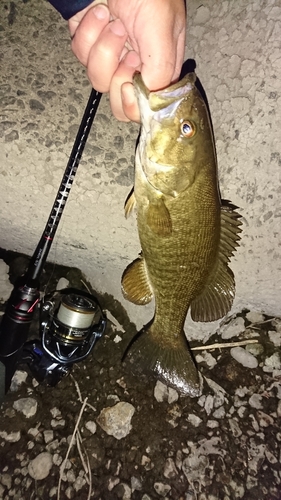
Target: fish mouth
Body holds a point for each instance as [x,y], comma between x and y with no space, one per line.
[163,98]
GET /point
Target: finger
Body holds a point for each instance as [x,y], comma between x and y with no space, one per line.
[124,74]
[88,31]
[179,56]
[75,20]
[130,103]
[105,55]
[161,61]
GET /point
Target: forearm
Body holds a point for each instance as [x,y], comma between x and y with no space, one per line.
[68,8]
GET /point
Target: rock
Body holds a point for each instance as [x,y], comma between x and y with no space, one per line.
[234,427]
[116,420]
[135,484]
[6,480]
[256,401]
[194,419]
[19,378]
[275,338]
[40,466]
[234,328]
[170,469]
[91,426]
[162,489]
[12,437]
[27,406]
[48,436]
[164,393]
[62,283]
[255,317]
[244,357]
[273,362]
[5,286]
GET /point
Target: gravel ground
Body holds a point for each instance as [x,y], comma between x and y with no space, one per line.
[107,433]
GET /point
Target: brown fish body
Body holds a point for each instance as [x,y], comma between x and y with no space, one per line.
[186,236]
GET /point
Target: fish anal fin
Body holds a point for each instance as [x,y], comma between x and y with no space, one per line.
[158,218]
[135,283]
[173,366]
[130,203]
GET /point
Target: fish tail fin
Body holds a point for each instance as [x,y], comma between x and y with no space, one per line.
[172,365]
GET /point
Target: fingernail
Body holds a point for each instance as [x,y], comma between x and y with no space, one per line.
[100,11]
[117,27]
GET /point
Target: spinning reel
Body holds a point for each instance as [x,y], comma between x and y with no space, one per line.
[71,321]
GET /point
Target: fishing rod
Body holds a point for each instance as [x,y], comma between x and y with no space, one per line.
[66,321]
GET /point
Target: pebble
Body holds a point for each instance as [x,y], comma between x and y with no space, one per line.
[234,427]
[275,338]
[91,426]
[62,283]
[19,378]
[233,329]
[6,480]
[206,358]
[170,469]
[56,423]
[27,406]
[273,362]
[279,409]
[135,484]
[40,466]
[212,424]
[79,483]
[12,437]
[162,489]
[194,419]
[255,317]
[6,286]
[244,357]
[48,436]
[116,420]
[256,401]
[164,393]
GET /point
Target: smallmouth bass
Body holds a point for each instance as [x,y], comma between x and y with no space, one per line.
[187,233]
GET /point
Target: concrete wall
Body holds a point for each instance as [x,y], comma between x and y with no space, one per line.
[43,92]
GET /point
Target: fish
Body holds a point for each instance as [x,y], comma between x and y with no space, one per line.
[187,232]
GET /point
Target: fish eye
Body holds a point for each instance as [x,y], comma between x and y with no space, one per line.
[187,128]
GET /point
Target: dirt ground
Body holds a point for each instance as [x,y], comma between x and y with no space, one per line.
[222,445]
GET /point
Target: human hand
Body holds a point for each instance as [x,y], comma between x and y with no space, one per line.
[115,40]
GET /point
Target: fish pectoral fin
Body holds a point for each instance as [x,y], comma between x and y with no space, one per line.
[130,203]
[135,284]
[158,218]
[217,297]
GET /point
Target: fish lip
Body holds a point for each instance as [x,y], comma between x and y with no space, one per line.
[140,85]
[189,78]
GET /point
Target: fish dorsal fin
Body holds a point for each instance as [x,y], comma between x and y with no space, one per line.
[217,297]
[158,218]
[135,284]
[130,203]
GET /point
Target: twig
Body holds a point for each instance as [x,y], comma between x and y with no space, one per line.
[62,467]
[252,325]
[226,344]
